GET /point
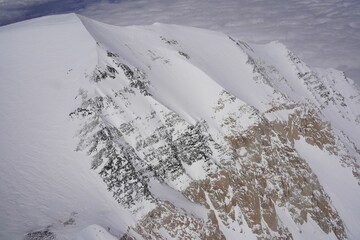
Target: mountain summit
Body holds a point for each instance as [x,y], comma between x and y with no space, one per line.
[171,132]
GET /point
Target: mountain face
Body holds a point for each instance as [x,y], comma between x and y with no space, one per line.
[170,132]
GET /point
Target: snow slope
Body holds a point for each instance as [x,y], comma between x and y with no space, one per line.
[44,181]
[158,110]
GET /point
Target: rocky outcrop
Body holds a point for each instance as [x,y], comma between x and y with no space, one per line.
[250,169]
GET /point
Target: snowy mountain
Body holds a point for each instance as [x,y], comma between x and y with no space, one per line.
[171,132]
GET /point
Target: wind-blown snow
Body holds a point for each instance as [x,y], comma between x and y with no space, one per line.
[324,33]
[338,182]
[166,193]
[43,180]
[308,230]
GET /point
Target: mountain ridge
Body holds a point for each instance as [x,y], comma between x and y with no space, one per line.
[223,125]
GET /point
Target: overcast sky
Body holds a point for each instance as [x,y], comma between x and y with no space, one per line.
[324,33]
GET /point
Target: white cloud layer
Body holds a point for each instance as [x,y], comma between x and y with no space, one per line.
[324,33]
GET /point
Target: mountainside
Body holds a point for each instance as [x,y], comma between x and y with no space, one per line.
[171,132]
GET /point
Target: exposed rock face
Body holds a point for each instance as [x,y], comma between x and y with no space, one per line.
[241,165]
[256,171]
[271,173]
[266,173]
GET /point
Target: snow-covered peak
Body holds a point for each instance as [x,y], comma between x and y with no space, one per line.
[167,131]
